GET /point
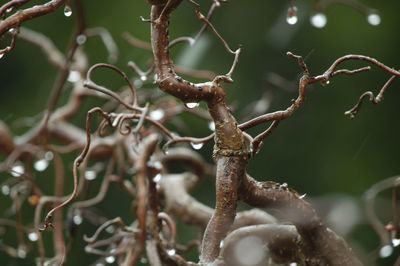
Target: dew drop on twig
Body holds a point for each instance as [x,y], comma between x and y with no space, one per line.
[5,190]
[157,114]
[49,156]
[192,105]
[77,219]
[211,125]
[374,19]
[21,253]
[157,178]
[385,251]
[291,17]
[319,20]
[81,39]
[41,165]
[171,252]
[110,259]
[196,146]
[90,175]
[67,11]
[17,170]
[33,236]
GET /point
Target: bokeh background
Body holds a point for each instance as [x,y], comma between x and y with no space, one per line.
[318,151]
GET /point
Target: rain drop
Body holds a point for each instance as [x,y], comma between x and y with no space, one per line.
[157,178]
[324,82]
[137,83]
[395,242]
[143,78]
[171,252]
[49,156]
[41,165]
[1,56]
[73,76]
[90,175]
[77,219]
[211,125]
[385,251]
[17,170]
[196,146]
[81,39]
[13,30]
[192,105]
[319,20]
[143,260]
[67,11]
[291,17]
[5,190]
[33,236]
[110,229]
[157,114]
[110,259]
[9,10]
[374,19]
[303,196]
[21,253]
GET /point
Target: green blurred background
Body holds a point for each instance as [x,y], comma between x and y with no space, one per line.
[318,151]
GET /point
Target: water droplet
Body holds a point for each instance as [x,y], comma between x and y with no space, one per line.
[293,264]
[77,219]
[385,251]
[192,105]
[158,165]
[90,175]
[110,229]
[143,78]
[143,260]
[395,242]
[325,82]
[13,30]
[171,252]
[33,236]
[49,156]
[211,125]
[319,20]
[1,56]
[110,259]
[155,77]
[5,190]
[197,146]
[291,17]
[157,178]
[374,19]
[291,20]
[137,83]
[9,10]
[41,165]
[221,244]
[17,170]
[157,114]
[21,253]
[81,39]
[67,11]
[303,196]
[73,76]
